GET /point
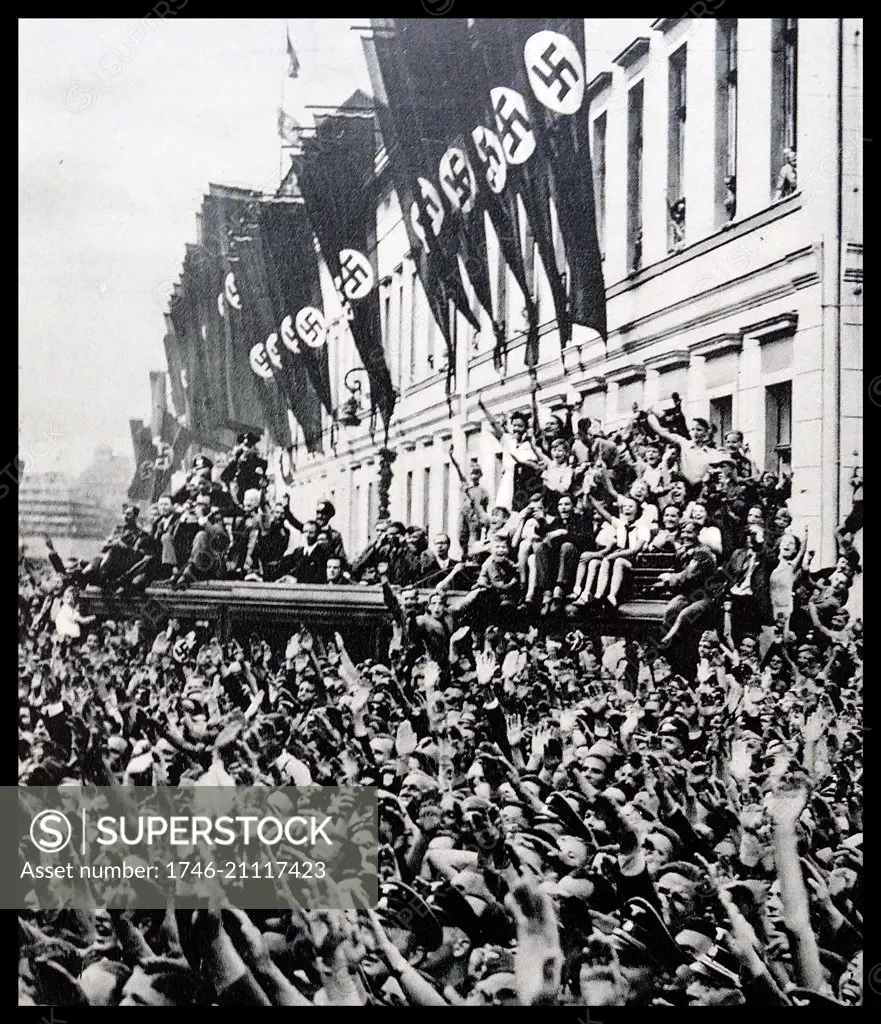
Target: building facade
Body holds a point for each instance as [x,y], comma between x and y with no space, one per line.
[727,162]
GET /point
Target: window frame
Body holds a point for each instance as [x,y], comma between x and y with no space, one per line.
[635,174]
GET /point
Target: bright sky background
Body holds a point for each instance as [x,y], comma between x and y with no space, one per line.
[121,128]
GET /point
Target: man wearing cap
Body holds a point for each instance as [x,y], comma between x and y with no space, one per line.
[246,469]
[324,512]
[473,514]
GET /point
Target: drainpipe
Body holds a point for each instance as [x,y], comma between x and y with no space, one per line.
[831,511]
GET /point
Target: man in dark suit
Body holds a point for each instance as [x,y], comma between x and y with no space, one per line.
[324,512]
[335,574]
[693,597]
[749,573]
[271,546]
[307,563]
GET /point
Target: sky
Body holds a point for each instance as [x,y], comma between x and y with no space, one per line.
[122,125]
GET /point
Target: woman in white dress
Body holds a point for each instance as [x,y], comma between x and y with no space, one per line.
[521,472]
[782,578]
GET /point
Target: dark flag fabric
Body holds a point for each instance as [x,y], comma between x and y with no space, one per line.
[193,375]
[296,283]
[495,44]
[499,200]
[143,481]
[337,178]
[170,453]
[177,374]
[552,52]
[433,243]
[285,381]
[433,53]
[253,399]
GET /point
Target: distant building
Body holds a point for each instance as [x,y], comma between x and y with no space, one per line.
[52,503]
[106,479]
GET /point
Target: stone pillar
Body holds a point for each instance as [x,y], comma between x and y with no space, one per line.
[615,264]
[753,115]
[698,172]
[654,155]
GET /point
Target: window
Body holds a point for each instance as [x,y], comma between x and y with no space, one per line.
[634,177]
[357,518]
[431,330]
[726,120]
[426,497]
[399,331]
[676,150]
[445,499]
[418,327]
[387,319]
[778,427]
[720,418]
[784,83]
[372,507]
[409,498]
[598,153]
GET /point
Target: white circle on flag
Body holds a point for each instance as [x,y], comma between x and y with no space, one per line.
[260,361]
[556,71]
[272,350]
[457,180]
[231,291]
[163,456]
[356,275]
[492,156]
[514,125]
[311,326]
[288,335]
[220,306]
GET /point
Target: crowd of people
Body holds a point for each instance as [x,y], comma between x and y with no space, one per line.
[565,817]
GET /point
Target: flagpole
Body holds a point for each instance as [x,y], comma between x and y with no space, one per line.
[281,108]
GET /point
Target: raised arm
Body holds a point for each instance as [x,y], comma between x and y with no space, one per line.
[662,432]
[456,466]
[495,424]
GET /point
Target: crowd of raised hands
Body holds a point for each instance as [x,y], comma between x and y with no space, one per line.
[560,822]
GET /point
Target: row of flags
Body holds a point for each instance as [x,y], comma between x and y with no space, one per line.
[482,120]
[488,117]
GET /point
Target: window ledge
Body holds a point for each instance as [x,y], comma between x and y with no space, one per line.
[721,236]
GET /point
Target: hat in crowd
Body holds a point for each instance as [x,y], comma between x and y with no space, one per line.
[326,507]
[202,462]
[707,959]
[675,726]
[403,907]
[642,930]
[249,437]
[605,750]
